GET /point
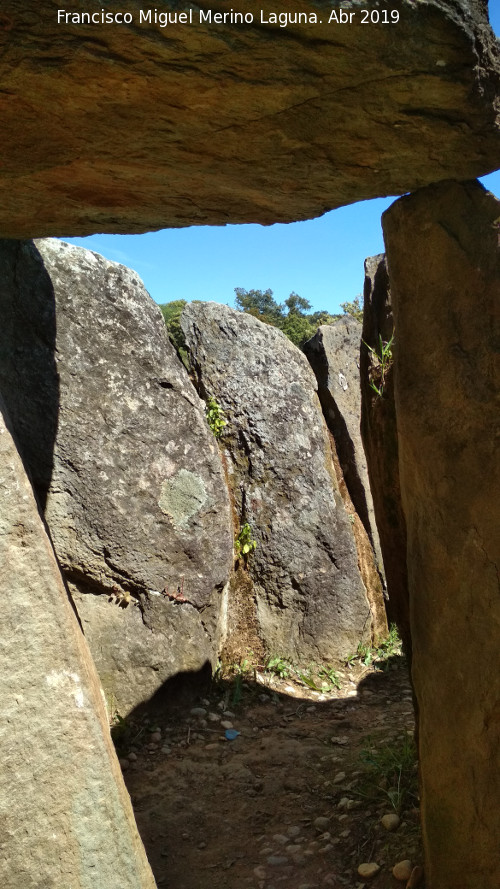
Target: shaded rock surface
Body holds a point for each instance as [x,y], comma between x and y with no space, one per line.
[309,598]
[135,500]
[367,564]
[333,353]
[380,440]
[66,816]
[444,265]
[129,128]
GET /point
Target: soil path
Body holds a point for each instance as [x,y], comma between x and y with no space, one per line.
[295,800]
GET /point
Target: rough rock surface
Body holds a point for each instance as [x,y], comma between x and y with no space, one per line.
[66,816]
[367,564]
[131,127]
[333,353]
[380,440]
[310,601]
[444,266]
[135,500]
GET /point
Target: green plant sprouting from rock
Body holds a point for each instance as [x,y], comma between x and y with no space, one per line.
[383,353]
[215,417]
[244,543]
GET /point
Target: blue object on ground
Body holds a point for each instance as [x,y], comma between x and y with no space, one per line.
[231,734]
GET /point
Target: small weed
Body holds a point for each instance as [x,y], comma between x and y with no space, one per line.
[317,678]
[365,653]
[215,417]
[236,694]
[244,543]
[368,654]
[383,353]
[234,676]
[351,659]
[390,772]
[244,667]
[280,666]
[329,677]
[307,679]
[390,646]
[124,733]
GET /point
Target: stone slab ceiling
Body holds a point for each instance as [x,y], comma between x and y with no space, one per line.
[126,128]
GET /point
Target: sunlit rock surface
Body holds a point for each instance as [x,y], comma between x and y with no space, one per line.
[125,128]
[444,267]
[126,468]
[310,602]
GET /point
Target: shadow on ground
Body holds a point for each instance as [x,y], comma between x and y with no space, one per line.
[294,800]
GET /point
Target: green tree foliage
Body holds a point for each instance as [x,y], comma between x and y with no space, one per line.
[354,308]
[293,317]
[297,305]
[261,304]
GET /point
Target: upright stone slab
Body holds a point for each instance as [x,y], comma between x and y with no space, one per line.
[380,441]
[123,461]
[66,815]
[333,353]
[310,600]
[444,265]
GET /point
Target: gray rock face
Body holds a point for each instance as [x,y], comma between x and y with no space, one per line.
[380,440]
[310,601]
[444,266]
[135,501]
[333,353]
[66,815]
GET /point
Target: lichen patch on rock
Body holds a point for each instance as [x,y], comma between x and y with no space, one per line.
[182,497]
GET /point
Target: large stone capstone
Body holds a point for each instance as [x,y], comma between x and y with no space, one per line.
[129,127]
[444,267]
[66,815]
[115,439]
[310,602]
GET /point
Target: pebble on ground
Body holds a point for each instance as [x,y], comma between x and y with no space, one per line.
[368,869]
[402,870]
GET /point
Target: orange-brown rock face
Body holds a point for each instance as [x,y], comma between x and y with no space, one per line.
[444,268]
[129,127]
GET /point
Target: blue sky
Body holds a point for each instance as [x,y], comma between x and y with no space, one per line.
[321,259]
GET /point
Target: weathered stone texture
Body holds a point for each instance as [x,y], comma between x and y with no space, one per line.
[66,815]
[444,266]
[136,501]
[380,440]
[310,601]
[129,128]
[367,565]
[333,353]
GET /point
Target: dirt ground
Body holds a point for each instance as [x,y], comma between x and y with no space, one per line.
[295,799]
